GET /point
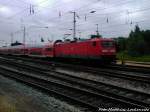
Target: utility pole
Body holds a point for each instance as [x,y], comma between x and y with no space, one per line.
[24,37]
[79,34]
[97,28]
[12,38]
[74,24]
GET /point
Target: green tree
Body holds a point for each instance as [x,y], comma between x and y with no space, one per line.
[121,43]
[136,43]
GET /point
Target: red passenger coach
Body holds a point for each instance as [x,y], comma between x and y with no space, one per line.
[96,49]
[48,50]
[40,50]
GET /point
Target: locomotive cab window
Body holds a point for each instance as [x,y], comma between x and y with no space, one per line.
[94,43]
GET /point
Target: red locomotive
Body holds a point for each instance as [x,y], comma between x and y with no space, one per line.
[101,49]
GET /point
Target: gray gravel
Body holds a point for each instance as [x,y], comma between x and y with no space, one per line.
[143,87]
[21,98]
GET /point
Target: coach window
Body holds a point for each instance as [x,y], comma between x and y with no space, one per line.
[108,43]
[26,50]
[94,43]
[48,49]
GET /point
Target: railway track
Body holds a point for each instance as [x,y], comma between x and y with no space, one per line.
[125,72]
[139,69]
[68,93]
[132,76]
[136,98]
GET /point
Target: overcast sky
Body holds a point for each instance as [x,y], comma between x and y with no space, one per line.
[115,18]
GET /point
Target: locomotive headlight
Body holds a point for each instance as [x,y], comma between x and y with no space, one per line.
[104,51]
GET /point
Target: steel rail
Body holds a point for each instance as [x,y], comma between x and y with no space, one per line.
[81,96]
[99,71]
[79,81]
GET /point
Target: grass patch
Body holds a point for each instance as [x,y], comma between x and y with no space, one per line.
[125,56]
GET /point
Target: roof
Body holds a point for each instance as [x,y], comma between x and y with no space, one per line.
[84,40]
[41,45]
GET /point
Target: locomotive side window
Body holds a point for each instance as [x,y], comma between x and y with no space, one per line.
[48,49]
[94,43]
[107,44]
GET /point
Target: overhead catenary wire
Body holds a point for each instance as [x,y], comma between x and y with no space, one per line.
[35,12]
[104,28]
[107,13]
[139,10]
[94,19]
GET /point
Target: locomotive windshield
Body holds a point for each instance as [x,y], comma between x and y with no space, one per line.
[107,44]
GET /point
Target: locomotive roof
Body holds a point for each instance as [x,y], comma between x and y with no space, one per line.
[85,40]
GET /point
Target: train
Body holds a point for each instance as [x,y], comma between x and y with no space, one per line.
[93,49]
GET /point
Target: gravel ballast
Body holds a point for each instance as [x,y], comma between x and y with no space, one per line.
[17,97]
[134,85]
